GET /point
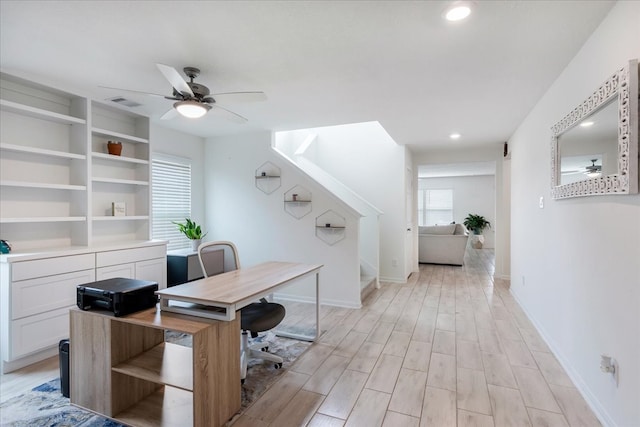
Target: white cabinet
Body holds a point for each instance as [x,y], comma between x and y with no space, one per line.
[128,271]
[58,181]
[154,270]
[37,290]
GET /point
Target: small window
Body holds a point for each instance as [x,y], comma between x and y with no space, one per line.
[435,207]
[170,199]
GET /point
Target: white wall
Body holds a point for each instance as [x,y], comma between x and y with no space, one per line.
[169,141]
[501,226]
[471,195]
[257,223]
[580,257]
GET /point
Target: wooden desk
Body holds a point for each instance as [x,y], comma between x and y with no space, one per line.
[219,297]
[122,368]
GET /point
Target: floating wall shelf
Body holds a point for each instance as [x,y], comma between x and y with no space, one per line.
[297,201]
[268,178]
[330,227]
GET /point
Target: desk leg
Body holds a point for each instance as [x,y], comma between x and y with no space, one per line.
[317,333]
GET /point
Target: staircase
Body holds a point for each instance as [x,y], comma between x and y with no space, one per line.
[300,149]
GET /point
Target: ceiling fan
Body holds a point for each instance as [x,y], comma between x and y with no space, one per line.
[592,170]
[194,100]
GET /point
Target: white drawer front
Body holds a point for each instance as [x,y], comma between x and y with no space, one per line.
[43,294]
[128,271]
[154,270]
[36,333]
[23,270]
[107,258]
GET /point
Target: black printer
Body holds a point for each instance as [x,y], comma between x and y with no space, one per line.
[118,295]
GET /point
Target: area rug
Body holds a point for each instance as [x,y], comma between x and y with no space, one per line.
[44,406]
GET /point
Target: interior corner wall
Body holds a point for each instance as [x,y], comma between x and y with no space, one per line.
[174,143]
[258,224]
[575,263]
[471,195]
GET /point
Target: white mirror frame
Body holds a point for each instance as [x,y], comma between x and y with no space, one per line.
[624,85]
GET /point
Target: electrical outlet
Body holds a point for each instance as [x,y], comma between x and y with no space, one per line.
[523,281]
[541,202]
[394,262]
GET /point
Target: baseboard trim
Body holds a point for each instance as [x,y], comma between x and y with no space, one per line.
[28,360]
[601,413]
[392,280]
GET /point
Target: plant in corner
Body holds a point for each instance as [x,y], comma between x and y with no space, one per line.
[192,230]
[476,223]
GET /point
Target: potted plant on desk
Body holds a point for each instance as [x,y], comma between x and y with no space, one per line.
[476,223]
[193,232]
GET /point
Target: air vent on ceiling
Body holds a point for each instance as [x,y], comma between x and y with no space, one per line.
[124,101]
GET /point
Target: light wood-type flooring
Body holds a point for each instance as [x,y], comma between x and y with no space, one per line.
[449,348]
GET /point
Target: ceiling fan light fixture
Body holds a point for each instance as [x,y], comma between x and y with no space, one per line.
[191,109]
[594,174]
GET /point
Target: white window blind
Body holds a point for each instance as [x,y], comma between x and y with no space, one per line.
[435,207]
[171,199]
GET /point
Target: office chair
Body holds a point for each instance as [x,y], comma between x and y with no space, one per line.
[220,257]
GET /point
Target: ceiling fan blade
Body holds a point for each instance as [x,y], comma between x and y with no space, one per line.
[227,114]
[169,114]
[133,91]
[176,80]
[231,97]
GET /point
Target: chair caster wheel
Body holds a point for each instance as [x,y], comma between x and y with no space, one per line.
[278,365]
[265,348]
[242,381]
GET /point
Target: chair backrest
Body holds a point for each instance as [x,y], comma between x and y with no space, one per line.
[218,257]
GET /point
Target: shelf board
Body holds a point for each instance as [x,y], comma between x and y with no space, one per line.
[297,201]
[25,220]
[39,113]
[120,218]
[166,363]
[105,156]
[41,151]
[118,135]
[43,185]
[120,181]
[267,176]
[167,407]
[330,228]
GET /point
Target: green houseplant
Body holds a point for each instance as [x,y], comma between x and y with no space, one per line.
[192,230]
[476,223]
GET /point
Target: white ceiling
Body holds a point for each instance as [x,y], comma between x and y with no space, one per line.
[319,62]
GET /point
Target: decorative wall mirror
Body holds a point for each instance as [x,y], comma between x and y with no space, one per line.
[594,148]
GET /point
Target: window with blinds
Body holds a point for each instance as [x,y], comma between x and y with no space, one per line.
[435,207]
[170,199]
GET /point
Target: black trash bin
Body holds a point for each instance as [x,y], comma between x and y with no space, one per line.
[63,353]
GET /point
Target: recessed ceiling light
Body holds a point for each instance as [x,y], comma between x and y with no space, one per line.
[457,11]
[586,124]
[455,136]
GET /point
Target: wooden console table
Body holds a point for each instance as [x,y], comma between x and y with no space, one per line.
[122,367]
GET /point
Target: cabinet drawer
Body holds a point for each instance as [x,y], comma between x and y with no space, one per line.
[23,270]
[36,333]
[128,271]
[43,294]
[107,258]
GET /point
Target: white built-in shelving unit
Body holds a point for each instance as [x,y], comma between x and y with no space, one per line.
[58,181]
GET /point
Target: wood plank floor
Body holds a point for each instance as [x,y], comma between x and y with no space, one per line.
[449,348]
